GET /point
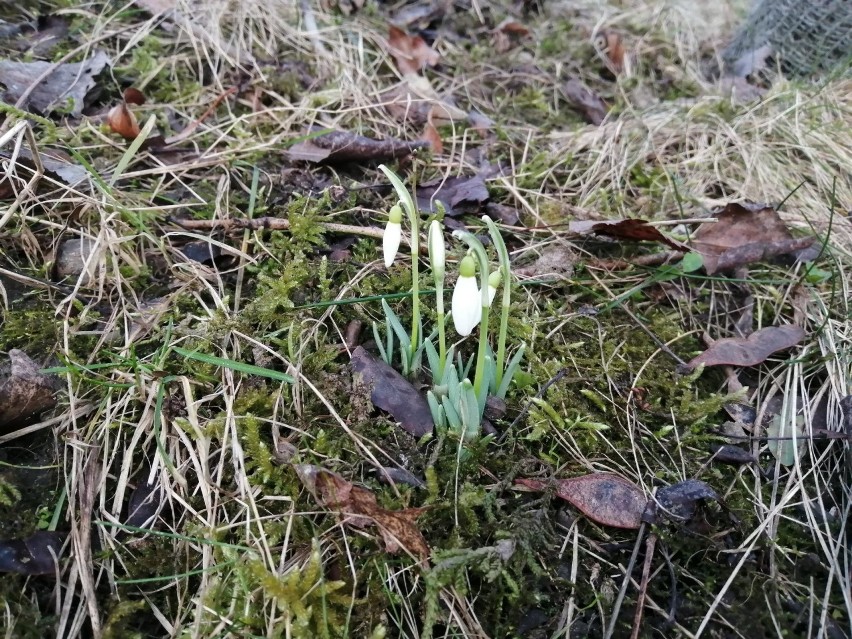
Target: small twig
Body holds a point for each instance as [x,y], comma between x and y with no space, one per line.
[271,224]
[650,544]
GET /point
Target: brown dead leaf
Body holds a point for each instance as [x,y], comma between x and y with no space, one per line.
[411,53]
[454,193]
[24,390]
[431,135]
[340,146]
[122,121]
[397,527]
[631,229]
[589,104]
[64,88]
[604,498]
[752,350]
[391,392]
[742,236]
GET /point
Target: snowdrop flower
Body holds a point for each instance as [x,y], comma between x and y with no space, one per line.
[392,234]
[493,283]
[467,301]
[437,250]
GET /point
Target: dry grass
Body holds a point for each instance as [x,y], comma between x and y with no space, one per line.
[224,534]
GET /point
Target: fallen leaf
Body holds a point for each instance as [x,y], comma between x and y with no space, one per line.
[604,498]
[339,146]
[411,53]
[24,390]
[391,392]
[35,555]
[507,215]
[65,87]
[742,236]
[453,192]
[55,162]
[431,135]
[589,104]
[630,229]
[751,350]
[680,500]
[122,121]
[397,527]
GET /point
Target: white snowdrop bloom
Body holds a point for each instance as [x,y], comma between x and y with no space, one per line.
[467,309]
[392,235]
[437,250]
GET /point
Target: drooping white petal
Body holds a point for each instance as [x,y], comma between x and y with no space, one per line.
[437,249]
[467,305]
[390,241]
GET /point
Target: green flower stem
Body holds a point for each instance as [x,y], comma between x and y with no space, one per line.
[442,333]
[414,220]
[503,256]
[482,257]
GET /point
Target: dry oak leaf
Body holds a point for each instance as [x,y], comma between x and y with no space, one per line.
[604,498]
[411,53]
[630,229]
[397,527]
[742,235]
[751,350]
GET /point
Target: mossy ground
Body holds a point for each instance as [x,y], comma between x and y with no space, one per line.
[241,548]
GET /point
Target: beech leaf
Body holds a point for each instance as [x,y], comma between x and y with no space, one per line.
[631,229]
[751,350]
[742,235]
[607,499]
[391,392]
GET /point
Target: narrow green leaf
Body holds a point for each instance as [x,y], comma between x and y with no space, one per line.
[242,367]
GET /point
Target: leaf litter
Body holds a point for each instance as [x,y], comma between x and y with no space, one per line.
[391,392]
[742,235]
[751,350]
[64,86]
[398,528]
[607,499]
